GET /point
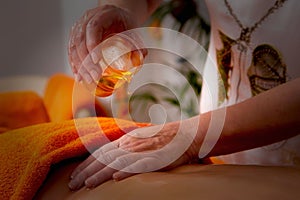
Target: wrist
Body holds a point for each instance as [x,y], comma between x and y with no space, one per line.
[195,128]
[209,129]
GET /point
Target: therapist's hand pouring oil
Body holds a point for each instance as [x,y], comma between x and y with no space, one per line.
[104,56]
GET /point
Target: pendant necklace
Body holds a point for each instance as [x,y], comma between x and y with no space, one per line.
[245,36]
[244,40]
[243,44]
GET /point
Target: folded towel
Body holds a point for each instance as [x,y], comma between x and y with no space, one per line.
[26,154]
[21,108]
[64,99]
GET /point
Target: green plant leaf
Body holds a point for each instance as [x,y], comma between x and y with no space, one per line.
[172,101]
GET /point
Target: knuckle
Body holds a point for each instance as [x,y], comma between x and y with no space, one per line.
[93,23]
[72,41]
[89,13]
[105,158]
[86,15]
[122,162]
[98,153]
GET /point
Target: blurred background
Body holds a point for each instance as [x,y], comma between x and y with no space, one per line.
[34,40]
[34,35]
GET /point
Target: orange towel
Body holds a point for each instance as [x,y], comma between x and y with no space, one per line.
[64,98]
[26,154]
[20,109]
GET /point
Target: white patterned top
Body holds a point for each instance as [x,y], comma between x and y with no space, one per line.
[269,58]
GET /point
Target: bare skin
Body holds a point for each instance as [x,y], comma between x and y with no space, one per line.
[264,119]
[96,25]
[267,118]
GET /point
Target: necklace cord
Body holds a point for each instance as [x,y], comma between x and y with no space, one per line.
[247,31]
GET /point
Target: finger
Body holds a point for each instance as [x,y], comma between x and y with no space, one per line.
[125,160]
[94,29]
[105,155]
[84,74]
[107,172]
[111,21]
[77,39]
[120,175]
[78,181]
[82,166]
[91,70]
[111,156]
[140,166]
[81,48]
[73,57]
[147,164]
[98,153]
[100,177]
[99,159]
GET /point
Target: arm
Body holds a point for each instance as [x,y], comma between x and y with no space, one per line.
[264,119]
[267,118]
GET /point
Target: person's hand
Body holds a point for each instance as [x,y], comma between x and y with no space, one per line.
[142,150]
[92,28]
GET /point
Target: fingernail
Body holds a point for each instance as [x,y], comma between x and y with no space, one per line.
[89,185]
[94,75]
[115,177]
[72,185]
[116,180]
[73,174]
[94,57]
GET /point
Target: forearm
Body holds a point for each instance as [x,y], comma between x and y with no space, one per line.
[140,9]
[264,119]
